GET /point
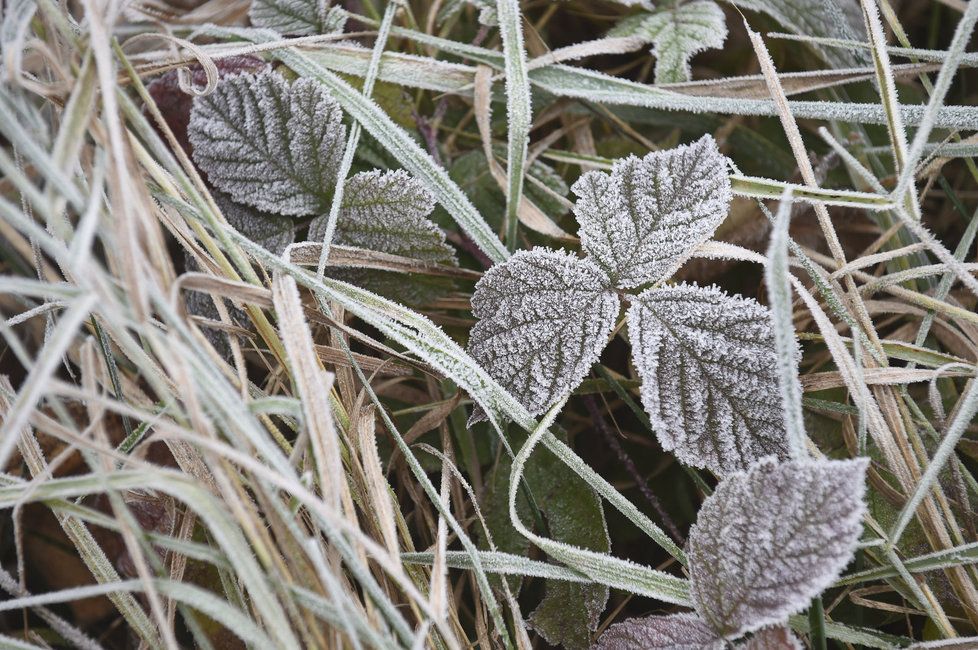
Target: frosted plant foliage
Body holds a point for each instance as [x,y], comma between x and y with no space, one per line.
[640,222]
[709,373]
[770,539]
[387,211]
[270,145]
[677,33]
[544,317]
[772,638]
[676,632]
[298,17]
[271,231]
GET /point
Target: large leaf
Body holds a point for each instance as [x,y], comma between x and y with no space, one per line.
[270,145]
[641,221]
[299,17]
[709,373]
[676,632]
[544,317]
[388,212]
[677,32]
[770,539]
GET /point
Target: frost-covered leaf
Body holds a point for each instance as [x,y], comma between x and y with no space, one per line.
[772,638]
[676,632]
[270,145]
[640,222]
[677,33]
[831,18]
[298,17]
[272,231]
[709,375]
[387,212]
[770,539]
[544,317]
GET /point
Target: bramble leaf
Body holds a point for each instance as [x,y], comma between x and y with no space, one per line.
[298,17]
[675,632]
[644,219]
[770,539]
[709,375]
[387,212]
[772,638]
[677,32]
[544,317]
[270,145]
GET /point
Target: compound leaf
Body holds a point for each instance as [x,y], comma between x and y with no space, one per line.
[544,317]
[270,145]
[770,539]
[772,638]
[709,375]
[677,33]
[675,632]
[298,17]
[645,218]
[388,212]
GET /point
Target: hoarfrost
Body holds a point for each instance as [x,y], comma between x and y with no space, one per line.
[644,219]
[298,17]
[770,539]
[676,632]
[677,34]
[270,145]
[544,317]
[387,211]
[271,231]
[709,375]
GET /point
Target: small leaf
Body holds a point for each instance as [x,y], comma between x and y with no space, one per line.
[270,145]
[676,632]
[678,32]
[709,375]
[772,638]
[387,212]
[271,231]
[544,317]
[642,221]
[770,539]
[298,17]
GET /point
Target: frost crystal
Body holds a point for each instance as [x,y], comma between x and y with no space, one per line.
[544,317]
[641,221]
[270,145]
[387,212]
[676,632]
[299,17]
[271,231]
[770,539]
[772,638]
[709,375]
[677,34]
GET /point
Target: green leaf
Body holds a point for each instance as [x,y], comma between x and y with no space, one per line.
[709,373]
[770,539]
[269,145]
[297,17]
[677,32]
[544,317]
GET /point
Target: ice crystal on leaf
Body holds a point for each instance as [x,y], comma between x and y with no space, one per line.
[298,17]
[770,539]
[772,638]
[677,33]
[270,145]
[676,632]
[640,222]
[544,317]
[387,211]
[709,375]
